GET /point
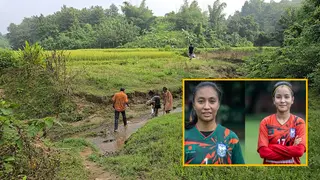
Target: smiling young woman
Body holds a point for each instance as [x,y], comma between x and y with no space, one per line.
[282,137]
[207,142]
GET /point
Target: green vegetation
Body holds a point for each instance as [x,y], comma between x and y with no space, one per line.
[71,165]
[101,54]
[38,82]
[42,83]
[154,149]
[258,23]
[4,43]
[8,59]
[157,148]
[299,56]
[106,72]
[21,154]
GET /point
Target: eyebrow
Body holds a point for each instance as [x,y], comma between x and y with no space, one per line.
[205,98]
[284,94]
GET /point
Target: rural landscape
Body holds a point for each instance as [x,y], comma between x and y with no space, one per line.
[59,73]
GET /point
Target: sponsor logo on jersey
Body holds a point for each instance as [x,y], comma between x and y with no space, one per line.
[221,150]
[292,132]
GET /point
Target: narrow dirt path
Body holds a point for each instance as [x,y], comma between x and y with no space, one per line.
[95,171]
[110,142]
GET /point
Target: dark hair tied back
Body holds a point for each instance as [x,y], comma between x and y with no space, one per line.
[281,83]
[193,114]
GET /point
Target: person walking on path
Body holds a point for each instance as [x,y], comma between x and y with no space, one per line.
[120,102]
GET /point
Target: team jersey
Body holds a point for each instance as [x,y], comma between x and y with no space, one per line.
[220,147]
[279,139]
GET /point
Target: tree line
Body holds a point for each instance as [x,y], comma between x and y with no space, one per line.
[299,56]
[257,24]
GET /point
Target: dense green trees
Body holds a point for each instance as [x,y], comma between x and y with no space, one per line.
[267,16]
[257,23]
[4,43]
[299,56]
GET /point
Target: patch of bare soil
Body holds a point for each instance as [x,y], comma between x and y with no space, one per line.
[227,72]
[96,172]
[233,57]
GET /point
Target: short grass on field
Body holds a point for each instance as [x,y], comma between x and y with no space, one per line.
[71,163]
[103,72]
[251,140]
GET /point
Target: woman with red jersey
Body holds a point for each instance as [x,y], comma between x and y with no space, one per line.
[282,137]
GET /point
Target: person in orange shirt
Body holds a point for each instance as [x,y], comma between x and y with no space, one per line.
[167,100]
[282,138]
[120,102]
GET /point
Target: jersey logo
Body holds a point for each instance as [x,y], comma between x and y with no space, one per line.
[270,132]
[190,149]
[222,150]
[292,132]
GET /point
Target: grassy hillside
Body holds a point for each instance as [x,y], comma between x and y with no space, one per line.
[103,72]
[155,151]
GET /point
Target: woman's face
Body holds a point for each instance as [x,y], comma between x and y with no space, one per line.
[206,103]
[283,99]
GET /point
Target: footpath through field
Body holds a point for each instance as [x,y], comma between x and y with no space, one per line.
[110,142]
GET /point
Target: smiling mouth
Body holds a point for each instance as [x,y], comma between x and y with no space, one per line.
[207,114]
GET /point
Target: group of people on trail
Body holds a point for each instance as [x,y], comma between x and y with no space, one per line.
[120,103]
[120,100]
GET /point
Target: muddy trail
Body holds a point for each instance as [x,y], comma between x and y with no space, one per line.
[95,172]
[97,128]
[109,142]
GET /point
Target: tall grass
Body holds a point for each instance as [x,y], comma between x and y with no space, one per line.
[71,165]
[96,55]
[106,72]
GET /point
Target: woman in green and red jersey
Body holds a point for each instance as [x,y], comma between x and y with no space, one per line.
[282,135]
[207,142]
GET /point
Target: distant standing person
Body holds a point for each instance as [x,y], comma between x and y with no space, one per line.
[167,100]
[191,54]
[120,102]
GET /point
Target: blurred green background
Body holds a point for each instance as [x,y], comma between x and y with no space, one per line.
[259,104]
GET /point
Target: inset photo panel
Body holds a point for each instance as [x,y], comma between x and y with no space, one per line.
[276,122]
[213,122]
